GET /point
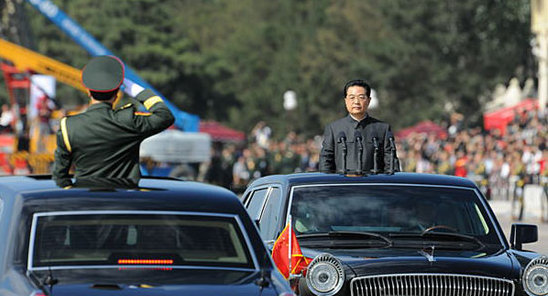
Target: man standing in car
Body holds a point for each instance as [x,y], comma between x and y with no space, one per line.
[358,143]
[104,141]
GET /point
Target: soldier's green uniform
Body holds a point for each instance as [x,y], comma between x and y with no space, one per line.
[102,141]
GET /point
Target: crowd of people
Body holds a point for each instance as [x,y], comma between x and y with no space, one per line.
[501,162]
[234,166]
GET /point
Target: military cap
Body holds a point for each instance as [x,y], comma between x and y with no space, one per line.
[103,74]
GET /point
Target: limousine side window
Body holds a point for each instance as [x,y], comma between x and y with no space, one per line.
[270,218]
[255,203]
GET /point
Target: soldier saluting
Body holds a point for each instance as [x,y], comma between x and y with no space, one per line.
[104,142]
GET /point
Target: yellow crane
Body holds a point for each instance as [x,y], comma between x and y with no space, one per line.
[27,60]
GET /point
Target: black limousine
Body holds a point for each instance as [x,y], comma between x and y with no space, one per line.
[116,237]
[396,234]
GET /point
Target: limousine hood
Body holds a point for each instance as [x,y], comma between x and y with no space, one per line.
[394,260]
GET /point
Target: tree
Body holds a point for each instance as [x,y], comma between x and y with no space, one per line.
[232,60]
[455,52]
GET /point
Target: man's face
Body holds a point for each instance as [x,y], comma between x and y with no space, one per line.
[356,101]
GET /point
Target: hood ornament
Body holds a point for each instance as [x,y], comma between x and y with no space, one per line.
[428,253]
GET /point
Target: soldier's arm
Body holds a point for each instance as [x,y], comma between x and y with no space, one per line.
[327,155]
[63,161]
[158,117]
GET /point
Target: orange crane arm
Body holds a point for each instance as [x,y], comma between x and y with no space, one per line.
[25,59]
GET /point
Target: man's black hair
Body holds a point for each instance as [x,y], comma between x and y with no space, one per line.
[103,96]
[357,82]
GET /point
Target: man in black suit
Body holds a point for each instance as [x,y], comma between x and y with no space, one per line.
[358,143]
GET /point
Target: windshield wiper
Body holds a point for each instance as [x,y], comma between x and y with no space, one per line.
[346,235]
[42,283]
[438,235]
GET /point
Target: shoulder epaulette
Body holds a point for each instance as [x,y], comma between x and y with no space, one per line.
[128,105]
[64,133]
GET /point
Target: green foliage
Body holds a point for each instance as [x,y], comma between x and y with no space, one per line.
[232,60]
[51,42]
[457,52]
[3,92]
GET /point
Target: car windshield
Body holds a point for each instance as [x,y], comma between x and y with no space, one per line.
[74,239]
[390,210]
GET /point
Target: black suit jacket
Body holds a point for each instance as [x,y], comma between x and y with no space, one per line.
[331,157]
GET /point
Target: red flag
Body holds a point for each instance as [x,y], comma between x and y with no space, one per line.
[282,250]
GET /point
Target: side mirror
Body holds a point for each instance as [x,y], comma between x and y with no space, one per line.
[257,224]
[522,234]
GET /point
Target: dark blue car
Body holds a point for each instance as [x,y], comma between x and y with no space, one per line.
[114,237]
[396,234]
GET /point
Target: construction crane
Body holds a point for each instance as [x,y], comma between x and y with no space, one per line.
[21,62]
[183,120]
[27,60]
[14,26]
[24,62]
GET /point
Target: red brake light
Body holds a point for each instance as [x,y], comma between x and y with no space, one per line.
[145,261]
[37,294]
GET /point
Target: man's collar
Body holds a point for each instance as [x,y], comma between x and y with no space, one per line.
[99,106]
[356,122]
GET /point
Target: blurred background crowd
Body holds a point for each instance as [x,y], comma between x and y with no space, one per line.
[500,160]
[500,163]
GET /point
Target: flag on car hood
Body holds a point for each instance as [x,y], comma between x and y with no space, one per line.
[287,254]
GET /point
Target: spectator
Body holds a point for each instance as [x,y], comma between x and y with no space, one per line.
[45,108]
[6,119]
[261,134]
[240,171]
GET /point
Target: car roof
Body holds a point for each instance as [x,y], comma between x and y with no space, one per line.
[396,178]
[149,194]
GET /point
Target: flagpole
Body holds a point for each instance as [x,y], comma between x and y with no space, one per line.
[289,228]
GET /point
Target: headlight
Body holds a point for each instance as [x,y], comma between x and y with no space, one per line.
[535,277]
[325,275]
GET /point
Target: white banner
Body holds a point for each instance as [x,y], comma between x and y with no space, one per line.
[40,86]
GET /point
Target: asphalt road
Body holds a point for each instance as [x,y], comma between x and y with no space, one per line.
[541,246]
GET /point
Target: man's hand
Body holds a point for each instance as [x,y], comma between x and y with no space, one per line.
[133,89]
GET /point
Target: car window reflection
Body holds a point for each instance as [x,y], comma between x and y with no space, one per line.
[398,209]
[130,239]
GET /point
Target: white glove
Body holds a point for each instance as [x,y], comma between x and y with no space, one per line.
[133,89]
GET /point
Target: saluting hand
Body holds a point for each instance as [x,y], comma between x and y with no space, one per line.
[132,88]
